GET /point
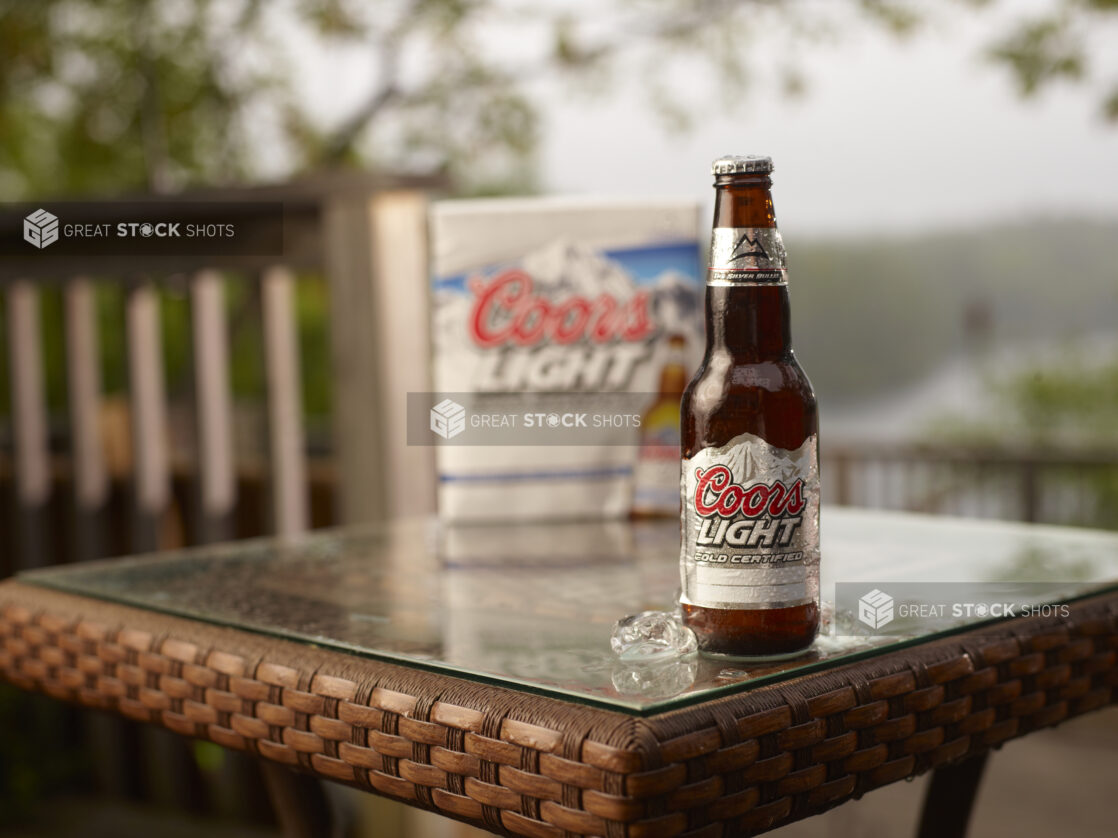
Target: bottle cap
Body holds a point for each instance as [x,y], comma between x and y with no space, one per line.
[733,164]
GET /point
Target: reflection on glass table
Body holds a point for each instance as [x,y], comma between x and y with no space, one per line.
[532,606]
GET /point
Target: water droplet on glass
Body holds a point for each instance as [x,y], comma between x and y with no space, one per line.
[732,675]
[604,665]
[651,636]
[826,617]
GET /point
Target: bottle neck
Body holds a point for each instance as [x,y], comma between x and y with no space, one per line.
[751,323]
[743,201]
[747,309]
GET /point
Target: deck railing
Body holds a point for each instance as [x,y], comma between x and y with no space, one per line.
[1018,483]
[364,234]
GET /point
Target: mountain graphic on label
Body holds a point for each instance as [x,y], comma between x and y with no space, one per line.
[755,248]
[752,459]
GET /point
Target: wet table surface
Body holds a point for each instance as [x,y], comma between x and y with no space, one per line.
[531,607]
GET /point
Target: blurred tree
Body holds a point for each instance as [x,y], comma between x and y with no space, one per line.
[1077,400]
[1058,43]
[1066,404]
[1070,401]
[120,95]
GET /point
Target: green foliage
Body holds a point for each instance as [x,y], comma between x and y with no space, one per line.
[209,756]
[246,341]
[111,96]
[112,337]
[120,95]
[312,296]
[901,18]
[1074,402]
[1110,105]
[1039,52]
[1070,401]
[1056,45]
[1075,399]
[174,316]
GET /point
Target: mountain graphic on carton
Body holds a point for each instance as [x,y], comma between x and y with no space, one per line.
[565,268]
[676,304]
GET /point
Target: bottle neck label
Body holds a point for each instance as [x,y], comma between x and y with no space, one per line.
[747,256]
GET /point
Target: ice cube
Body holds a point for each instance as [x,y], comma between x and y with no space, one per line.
[661,679]
[652,636]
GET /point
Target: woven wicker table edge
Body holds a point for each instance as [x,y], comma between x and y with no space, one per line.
[519,763]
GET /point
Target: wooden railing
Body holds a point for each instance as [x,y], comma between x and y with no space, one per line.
[1020,483]
[364,234]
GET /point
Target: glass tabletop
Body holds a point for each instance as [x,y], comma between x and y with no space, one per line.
[531,607]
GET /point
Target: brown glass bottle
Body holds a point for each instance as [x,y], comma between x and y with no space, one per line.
[749,427]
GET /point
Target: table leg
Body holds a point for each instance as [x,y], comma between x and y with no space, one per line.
[949,799]
[299,802]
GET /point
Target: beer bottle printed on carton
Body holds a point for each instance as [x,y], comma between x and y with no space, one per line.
[749,484]
[656,475]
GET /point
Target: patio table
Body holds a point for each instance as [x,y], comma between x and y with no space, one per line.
[467,670]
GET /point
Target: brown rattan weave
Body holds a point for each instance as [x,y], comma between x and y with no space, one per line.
[518,763]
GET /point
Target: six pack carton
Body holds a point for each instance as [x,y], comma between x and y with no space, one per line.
[539,302]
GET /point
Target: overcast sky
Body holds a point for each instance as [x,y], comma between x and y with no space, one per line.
[896,136]
[891,136]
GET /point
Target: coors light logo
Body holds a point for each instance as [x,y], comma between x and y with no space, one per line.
[565,318]
[760,515]
[750,511]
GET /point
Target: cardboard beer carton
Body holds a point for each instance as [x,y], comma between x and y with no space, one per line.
[538,302]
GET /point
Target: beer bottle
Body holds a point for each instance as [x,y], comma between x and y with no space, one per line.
[656,474]
[748,430]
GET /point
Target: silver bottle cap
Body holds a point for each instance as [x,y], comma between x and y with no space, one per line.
[733,164]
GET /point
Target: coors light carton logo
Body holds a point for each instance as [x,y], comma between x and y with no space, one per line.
[566,317]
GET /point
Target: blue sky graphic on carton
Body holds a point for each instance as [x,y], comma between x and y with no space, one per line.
[643,264]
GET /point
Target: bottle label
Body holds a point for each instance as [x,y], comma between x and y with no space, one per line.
[747,256]
[750,525]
